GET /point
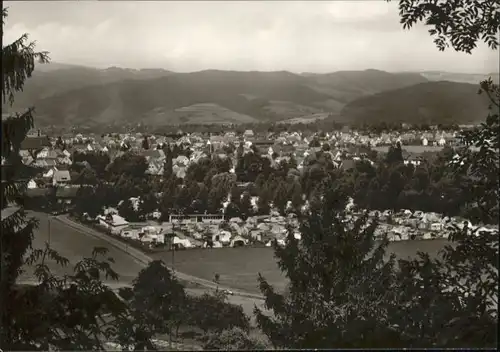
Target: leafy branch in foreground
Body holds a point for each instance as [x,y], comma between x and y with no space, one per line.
[339,285]
[18,63]
[58,313]
[232,339]
[62,313]
[480,158]
[461,23]
[464,279]
[345,292]
[154,300]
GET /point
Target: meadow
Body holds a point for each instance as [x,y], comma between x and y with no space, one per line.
[239,267]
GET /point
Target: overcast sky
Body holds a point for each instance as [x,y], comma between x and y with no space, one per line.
[229,35]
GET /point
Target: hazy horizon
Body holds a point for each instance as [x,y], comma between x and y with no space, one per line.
[214,69]
[294,36]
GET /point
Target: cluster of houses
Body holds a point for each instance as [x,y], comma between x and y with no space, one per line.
[216,231]
[207,230]
[52,156]
[408,225]
[199,231]
[431,138]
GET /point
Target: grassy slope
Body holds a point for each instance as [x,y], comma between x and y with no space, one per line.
[239,267]
[81,95]
[52,79]
[432,102]
[204,113]
[158,99]
[346,86]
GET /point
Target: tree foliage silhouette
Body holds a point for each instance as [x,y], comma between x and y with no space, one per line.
[461,23]
[68,312]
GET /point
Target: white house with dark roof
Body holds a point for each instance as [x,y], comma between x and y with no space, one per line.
[42,154]
[32,184]
[61,177]
[248,134]
[50,173]
[113,222]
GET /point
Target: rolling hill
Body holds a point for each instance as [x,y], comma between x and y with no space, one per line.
[76,95]
[471,78]
[159,100]
[306,119]
[54,78]
[431,102]
[346,86]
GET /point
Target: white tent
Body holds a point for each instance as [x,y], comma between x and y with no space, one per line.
[238,241]
[196,235]
[224,237]
[281,242]
[182,242]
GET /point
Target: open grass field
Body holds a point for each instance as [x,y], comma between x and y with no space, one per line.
[289,110]
[203,113]
[306,119]
[208,113]
[239,267]
[74,245]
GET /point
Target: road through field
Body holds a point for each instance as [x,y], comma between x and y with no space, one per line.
[74,243]
[237,267]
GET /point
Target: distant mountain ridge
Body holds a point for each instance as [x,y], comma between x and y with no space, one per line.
[165,99]
[347,86]
[54,78]
[472,78]
[68,95]
[77,95]
[431,102]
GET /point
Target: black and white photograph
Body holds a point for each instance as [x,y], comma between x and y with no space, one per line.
[249,175]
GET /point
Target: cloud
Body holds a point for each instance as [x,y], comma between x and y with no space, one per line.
[313,36]
[358,10]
